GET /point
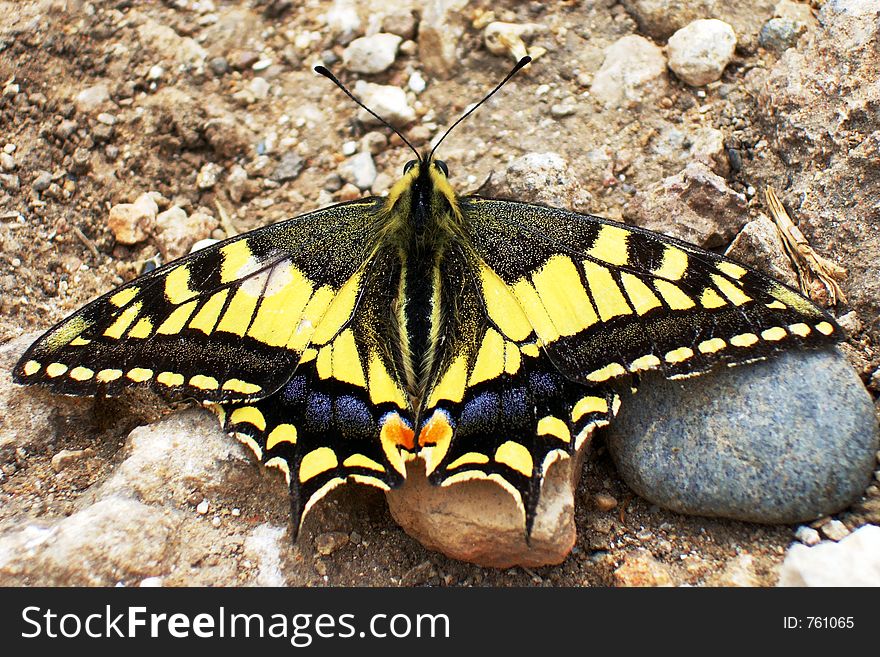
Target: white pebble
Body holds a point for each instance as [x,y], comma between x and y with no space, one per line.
[416,82]
[349,148]
[699,51]
[151,582]
[371,54]
[807,535]
[202,508]
[259,87]
[155,72]
[835,530]
[387,101]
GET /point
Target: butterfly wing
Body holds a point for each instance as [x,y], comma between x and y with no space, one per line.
[229,322]
[344,415]
[605,299]
[560,307]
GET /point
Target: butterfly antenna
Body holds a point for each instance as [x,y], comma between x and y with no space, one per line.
[327,74]
[519,65]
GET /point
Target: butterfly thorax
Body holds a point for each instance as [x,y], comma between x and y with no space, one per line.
[423,222]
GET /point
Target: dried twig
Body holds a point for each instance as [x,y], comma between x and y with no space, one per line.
[808,264]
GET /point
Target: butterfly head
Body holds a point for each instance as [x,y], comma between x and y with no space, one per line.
[424,192]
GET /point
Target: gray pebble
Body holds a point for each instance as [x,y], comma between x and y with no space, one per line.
[42,181]
[780,441]
[7,162]
[333,182]
[780,34]
[219,65]
[289,167]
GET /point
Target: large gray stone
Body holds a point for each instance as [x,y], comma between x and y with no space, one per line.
[780,441]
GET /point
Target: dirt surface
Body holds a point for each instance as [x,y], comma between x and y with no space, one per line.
[58,251]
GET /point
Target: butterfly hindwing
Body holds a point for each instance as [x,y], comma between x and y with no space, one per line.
[499,409]
[227,322]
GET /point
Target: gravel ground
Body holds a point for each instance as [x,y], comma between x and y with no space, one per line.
[213,106]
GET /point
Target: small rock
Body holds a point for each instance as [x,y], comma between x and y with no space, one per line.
[544,178]
[91,98]
[699,52]
[133,222]
[208,175]
[835,530]
[401,22]
[784,440]
[349,192]
[349,147]
[563,109]
[289,167]
[604,501]
[441,28]
[155,73]
[219,65]
[708,147]
[151,582]
[333,182]
[760,246]
[65,457]
[259,87]
[850,322]
[9,182]
[81,161]
[42,181]
[418,574]
[807,535]
[633,69]
[640,568]
[328,542]
[478,521]
[65,129]
[382,184]
[102,132]
[371,54]
[106,118]
[239,186]
[854,561]
[660,18]
[7,162]
[343,21]
[780,34]
[416,83]
[694,205]
[360,170]
[202,507]
[387,101]
[177,232]
[373,143]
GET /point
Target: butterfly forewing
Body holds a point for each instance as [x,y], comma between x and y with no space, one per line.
[604,299]
[228,322]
